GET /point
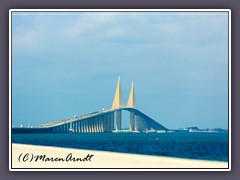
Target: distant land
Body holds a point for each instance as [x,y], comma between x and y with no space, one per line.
[196,129]
[187,129]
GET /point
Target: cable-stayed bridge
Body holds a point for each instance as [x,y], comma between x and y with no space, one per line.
[108,120]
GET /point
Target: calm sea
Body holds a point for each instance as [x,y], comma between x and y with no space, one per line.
[206,146]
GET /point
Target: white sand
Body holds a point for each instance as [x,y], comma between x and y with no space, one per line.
[102,159]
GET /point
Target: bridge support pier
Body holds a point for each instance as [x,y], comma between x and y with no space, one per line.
[112,121]
[94,125]
[104,123]
[118,120]
[97,124]
[85,126]
[144,125]
[137,123]
[82,126]
[79,126]
[64,128]
[68,127]
[132,121]
[140,124]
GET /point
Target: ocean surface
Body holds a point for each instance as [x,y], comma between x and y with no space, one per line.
[206,146]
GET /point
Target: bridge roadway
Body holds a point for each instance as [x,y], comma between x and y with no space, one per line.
[96,122]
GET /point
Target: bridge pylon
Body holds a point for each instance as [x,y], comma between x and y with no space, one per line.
[118,98]
[132,104]
[118,103]
[131,100]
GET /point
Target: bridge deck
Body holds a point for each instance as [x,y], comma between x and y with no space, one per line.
[99,121]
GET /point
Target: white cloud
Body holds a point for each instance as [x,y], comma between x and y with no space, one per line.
[25,41]
[41,30]
[85,24]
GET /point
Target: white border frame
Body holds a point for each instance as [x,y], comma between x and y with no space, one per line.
[119,10]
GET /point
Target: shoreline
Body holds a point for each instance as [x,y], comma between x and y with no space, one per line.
[35,157]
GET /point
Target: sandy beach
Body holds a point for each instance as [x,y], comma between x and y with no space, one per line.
[29,156]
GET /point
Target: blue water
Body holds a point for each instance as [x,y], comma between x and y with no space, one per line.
[206,146]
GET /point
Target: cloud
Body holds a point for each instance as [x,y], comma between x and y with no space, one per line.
[86,24]
[26,42]
[39,31]
[36,31]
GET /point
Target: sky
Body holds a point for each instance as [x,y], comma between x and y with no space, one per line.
[67,63]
